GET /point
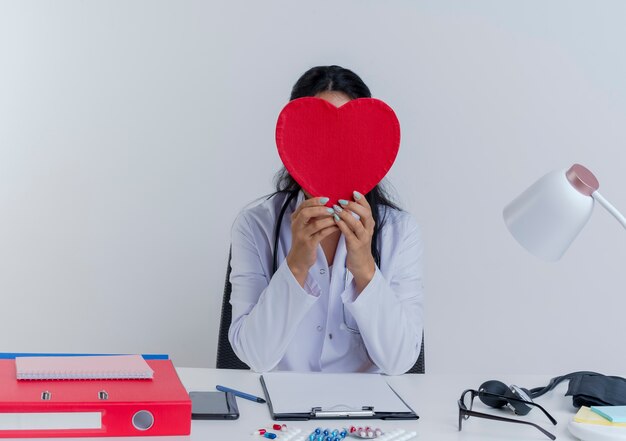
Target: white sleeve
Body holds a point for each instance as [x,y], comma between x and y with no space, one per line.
[389,313]
[265,313]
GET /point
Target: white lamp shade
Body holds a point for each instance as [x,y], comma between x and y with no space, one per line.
[547,217]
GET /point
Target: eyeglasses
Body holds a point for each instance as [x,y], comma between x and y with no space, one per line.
[467,401]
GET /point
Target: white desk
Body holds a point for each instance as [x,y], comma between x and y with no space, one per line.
[433,397]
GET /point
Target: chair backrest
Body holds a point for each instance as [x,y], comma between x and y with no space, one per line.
[419,367]
[226,357]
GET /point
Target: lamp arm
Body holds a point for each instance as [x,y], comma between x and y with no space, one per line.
[610,208]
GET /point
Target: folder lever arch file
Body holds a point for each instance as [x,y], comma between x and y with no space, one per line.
[91,408]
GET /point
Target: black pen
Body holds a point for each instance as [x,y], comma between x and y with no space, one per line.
[240,394]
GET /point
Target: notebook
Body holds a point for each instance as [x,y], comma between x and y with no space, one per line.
[108,367]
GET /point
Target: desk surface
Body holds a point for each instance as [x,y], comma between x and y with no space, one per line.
[433,397]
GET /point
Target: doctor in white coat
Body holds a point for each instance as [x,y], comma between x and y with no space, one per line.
[326,289]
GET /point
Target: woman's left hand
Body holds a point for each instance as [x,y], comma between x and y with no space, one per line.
[358,234]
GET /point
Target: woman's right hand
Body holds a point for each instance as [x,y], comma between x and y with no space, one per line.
[310,224]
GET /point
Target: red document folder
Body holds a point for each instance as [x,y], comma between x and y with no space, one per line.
[69,408]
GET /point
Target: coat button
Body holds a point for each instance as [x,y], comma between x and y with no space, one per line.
[319,328]
[322,271]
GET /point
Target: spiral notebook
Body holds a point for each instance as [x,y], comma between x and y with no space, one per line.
[106,367]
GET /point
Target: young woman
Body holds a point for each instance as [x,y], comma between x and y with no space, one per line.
[317,288]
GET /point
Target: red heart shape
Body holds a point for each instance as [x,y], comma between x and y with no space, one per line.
[331,151]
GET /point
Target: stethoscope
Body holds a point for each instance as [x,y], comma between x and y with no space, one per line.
[279,221]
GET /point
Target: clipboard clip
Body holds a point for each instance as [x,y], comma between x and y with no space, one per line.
[365,412]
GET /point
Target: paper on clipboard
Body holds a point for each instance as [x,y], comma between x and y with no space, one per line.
[292,393]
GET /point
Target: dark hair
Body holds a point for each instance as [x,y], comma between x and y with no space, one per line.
[332,78]
[336,78]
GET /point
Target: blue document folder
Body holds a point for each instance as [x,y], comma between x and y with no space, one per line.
[12,355]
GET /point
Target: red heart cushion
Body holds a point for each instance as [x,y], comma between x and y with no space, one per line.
[331,151]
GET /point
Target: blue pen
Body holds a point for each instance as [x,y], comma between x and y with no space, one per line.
[240,394]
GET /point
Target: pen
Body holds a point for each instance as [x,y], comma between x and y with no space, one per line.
[240,394]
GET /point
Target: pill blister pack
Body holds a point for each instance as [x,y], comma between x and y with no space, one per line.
[394,435]
[295,434]
[290,435]
[398,435]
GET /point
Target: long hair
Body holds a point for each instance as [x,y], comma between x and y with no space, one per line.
[336,78]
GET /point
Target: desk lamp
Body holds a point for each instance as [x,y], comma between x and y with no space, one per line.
[546,218]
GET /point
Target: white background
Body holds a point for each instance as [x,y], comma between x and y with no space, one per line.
[133,132]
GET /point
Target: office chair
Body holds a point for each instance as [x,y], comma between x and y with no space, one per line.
[226,357]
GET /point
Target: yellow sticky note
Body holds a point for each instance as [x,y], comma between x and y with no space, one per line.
[586,415]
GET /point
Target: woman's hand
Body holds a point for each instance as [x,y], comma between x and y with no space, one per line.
[310,224]
[358,234]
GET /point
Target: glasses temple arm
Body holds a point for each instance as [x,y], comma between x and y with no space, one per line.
[510,420]
[531,403]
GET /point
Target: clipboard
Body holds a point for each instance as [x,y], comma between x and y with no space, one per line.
[295,396]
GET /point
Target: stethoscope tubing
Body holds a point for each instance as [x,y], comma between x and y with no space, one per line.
[279,222]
